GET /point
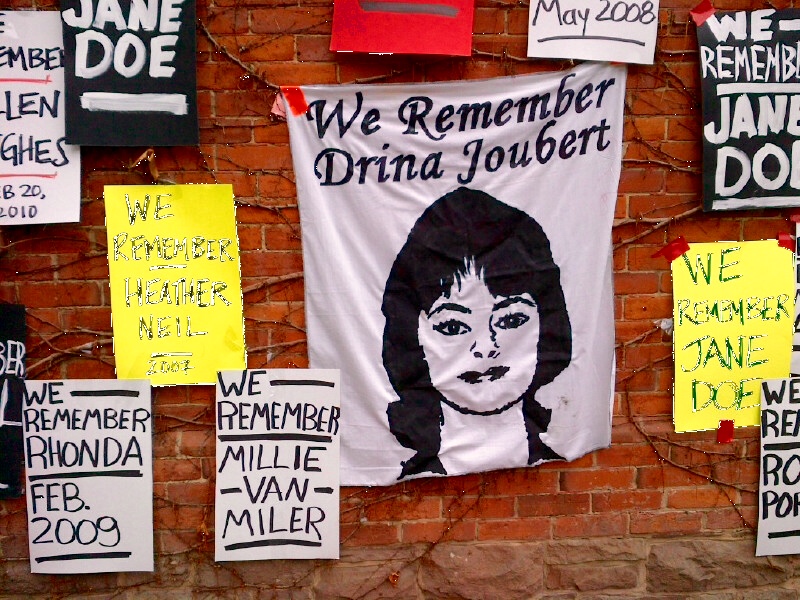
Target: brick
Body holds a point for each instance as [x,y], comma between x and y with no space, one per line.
[626,455]
[647,128]
[266,156]
[281,20]
[438,531]
[542,505]
[259,48]
[60,294]
[479,507]
[666,476]
[641,180]
[648,307]
[590,526]
[697,498]
[597,479]
[519,529]
[665,523]
[300,73]
[242,103]
[190,492]
[368,534]
[488,20]
[518,21]
[27,268]
[226,21]
[176,470]
[730,518]
[635,500]
[275,132]
[636,283]
[640,258]
[405,508]
[176,517]
[682,182]
[271,264]
[641,356]
[509,482]
[282,237]
[314,48]
[196,443]
[662,206]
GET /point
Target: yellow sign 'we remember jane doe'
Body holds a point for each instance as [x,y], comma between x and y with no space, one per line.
[734,313]
[176,294]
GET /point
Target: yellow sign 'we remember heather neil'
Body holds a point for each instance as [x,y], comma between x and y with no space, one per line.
[734,314]
[176,294]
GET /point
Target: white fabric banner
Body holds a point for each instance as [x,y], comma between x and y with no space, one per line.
[457,251]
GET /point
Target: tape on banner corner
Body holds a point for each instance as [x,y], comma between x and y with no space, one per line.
[677,247]
[295,98]
[785,240]
[725,431]
[278,107]
[701,12]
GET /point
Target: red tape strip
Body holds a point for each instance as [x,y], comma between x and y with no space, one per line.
[674,249]
[785,240]
[295,98]
[701,12]
[725,432]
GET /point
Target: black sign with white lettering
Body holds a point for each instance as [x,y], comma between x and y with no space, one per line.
[12,384]
[750,70]
[130,72]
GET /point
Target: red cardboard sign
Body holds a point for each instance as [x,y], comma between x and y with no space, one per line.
[403,27]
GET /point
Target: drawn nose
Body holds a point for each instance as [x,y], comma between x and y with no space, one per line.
[485,345]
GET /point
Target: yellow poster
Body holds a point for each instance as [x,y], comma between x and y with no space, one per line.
[176,293]
[734,314]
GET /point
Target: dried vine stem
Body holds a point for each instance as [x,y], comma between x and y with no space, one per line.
[659,225]
[235,59]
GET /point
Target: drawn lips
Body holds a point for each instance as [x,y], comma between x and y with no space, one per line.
[492,373]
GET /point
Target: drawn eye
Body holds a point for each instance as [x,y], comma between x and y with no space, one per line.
[452,327]
[512,321]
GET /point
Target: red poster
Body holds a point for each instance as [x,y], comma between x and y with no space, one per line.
[403,27]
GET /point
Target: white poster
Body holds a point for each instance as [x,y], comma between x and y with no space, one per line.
[89,475]
[613,30]
[457,256]
[795,369]
[779,488]
[277,480]
[40,175]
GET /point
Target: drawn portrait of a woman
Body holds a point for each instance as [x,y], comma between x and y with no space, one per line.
[475,324]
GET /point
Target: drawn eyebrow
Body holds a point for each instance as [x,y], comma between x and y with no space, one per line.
[513,300]
[449,306]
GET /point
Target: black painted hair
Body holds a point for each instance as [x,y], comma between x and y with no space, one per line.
[512,251]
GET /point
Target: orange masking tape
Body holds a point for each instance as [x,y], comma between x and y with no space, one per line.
[295,99]
[701,12]
[674,249]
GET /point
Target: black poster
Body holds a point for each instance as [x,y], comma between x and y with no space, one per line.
[12,388]
[750,71]
[130,72]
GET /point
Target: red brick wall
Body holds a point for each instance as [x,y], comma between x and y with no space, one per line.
[656,514]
